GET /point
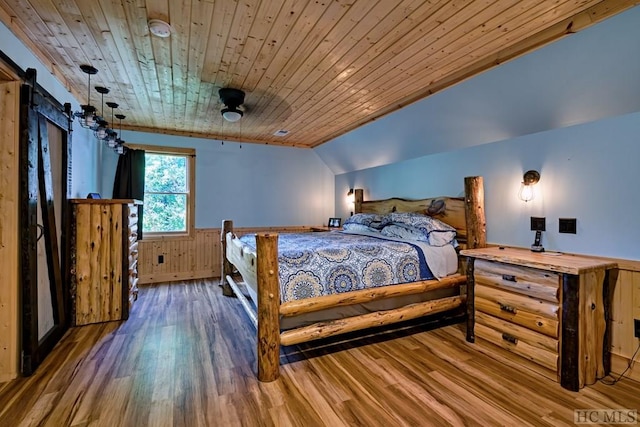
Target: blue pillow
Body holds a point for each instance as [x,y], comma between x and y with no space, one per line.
[370,220]
[405,232]
[438,233]
[352,226]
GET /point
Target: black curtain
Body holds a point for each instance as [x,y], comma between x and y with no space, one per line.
[129,182]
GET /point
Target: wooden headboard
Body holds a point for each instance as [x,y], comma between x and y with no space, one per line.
[466,214]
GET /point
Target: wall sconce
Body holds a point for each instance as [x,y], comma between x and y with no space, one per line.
[529,180]
[351,199]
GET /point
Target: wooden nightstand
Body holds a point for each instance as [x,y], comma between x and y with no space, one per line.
[546,308]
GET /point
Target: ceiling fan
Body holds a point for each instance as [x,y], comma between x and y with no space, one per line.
[232,99]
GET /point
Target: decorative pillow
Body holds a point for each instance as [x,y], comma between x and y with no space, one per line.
[352,226]
[370,220]
[439,233]
[405,232]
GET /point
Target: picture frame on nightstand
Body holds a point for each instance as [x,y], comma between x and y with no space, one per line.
[334,222]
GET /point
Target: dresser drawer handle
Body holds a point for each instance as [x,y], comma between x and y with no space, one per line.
[509,278]
[509,338]
[507,308]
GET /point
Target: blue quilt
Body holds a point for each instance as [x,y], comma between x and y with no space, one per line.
[315,264]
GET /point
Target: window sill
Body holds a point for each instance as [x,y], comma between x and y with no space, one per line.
[150,237]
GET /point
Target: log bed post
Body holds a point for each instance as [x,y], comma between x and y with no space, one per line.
[357,200]
[268,307]
[474,212]
[476,238]
[227,268]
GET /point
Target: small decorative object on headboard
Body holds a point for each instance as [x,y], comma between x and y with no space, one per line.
[93,196]
[436,207]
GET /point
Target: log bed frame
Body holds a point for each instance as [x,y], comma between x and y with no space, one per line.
[260,269]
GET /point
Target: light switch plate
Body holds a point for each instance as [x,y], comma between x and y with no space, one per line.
[567,225]
[538,223]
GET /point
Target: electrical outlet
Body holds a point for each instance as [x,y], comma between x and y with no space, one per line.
[538,223]
[160,259]
[567,225]
[636,328]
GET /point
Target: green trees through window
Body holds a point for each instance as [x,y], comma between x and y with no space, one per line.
[166,192]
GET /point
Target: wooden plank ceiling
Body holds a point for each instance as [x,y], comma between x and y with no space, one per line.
[317,68]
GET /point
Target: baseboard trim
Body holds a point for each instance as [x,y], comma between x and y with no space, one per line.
[8,377]
[620,363]
[175,277]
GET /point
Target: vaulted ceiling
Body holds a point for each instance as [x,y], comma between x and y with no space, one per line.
[316,68]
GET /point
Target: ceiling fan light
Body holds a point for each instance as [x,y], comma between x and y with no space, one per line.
[231,114]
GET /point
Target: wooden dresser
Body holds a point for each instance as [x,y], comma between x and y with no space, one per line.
[103,259]
[548,310]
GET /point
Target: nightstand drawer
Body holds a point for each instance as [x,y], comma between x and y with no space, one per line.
[533,338]
[541,324]
[523,280]
[522,348]
[538,315]
[512,303]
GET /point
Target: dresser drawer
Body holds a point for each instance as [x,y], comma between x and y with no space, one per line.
[516,345]
[133,216]
[528,281]
[537,315]
[512,303]
[527,335]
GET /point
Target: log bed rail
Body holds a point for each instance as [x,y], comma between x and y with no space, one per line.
[261,269]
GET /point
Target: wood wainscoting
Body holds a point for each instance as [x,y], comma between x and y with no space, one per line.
[186,258]
[183,258]
[624,308]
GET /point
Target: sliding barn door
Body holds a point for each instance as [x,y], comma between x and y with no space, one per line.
[44,142]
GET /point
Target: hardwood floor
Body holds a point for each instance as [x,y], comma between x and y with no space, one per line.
[186,358]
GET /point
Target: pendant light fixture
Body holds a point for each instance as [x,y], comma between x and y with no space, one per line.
[119,148]
[101,125]
[85,117]
[112,135]
[89,119]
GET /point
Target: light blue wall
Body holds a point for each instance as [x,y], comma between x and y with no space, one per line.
[256,185]
[587,172]
[86,167]
[581,78]
[569,110]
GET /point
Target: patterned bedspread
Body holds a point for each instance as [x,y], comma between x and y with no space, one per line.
[315,264]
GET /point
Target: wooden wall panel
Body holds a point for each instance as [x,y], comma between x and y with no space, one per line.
[9,113]
[184,258]
[625,308]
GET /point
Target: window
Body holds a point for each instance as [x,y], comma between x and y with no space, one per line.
[168,191]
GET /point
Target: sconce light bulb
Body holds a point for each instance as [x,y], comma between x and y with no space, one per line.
[529,180]
[526,192]
[351,197]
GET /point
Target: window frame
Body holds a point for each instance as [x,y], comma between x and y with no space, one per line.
[190,154]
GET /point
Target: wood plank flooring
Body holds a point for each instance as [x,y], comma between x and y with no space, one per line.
[186,358]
